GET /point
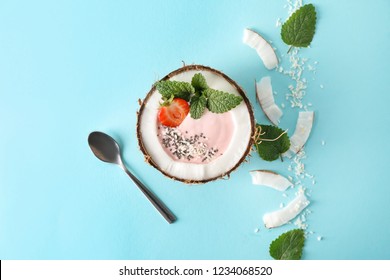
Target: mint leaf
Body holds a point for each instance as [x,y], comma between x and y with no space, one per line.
[267,147]
[221,102]
[168,88]
[199,83]
[288,246]
[198,105]
[298,30]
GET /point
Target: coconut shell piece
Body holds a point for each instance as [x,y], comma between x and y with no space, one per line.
[270,179]
[262,47]
[302,131]
[266,100]
[286,214]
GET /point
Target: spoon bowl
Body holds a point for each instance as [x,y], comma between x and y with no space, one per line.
[104,147]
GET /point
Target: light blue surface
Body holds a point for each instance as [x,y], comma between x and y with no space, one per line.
[70,67]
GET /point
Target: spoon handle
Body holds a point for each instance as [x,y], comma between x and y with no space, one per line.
[158,204]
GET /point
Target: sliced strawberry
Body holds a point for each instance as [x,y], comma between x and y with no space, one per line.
[173,113]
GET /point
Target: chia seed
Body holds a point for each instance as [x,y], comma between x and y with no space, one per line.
[188,148]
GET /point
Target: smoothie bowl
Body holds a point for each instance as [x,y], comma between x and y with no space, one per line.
[198,136]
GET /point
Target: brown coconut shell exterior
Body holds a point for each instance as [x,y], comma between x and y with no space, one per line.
[240,91]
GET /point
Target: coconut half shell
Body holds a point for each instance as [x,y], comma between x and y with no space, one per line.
[193,173]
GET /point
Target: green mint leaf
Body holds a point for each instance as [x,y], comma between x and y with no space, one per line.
[198,105]
[168,88]
[298,30]
[199,83]
[288,246]
[221,102]
[267,147]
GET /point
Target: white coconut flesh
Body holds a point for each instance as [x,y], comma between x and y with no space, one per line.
[302,131]
[235,153]
[270,179]
[267,102]
[286,214]
[262,47]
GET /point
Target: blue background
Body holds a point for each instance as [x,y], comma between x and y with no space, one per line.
[71,67]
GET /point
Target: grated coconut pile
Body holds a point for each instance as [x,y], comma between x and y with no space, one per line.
[295,96]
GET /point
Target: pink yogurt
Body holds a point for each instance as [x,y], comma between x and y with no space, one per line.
[198,141]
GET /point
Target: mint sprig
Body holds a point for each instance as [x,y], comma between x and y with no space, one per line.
[271,142]
[288,246]
[199,95]
[299,29]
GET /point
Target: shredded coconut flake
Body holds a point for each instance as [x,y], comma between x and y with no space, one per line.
[293,6]
[278,22]
[300,223]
